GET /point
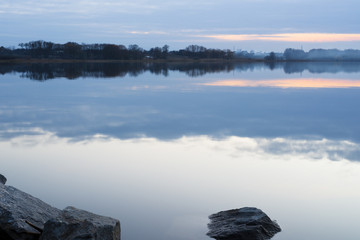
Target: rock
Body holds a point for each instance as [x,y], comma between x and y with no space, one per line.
[24,217]
[17,208]
[75,224]
[242,224]
[2,179]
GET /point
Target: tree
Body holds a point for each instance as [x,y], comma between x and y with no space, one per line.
[135,52]
[271,57]
[72,50]
[165,51]
[38,48]
[294,54]
[155,53]
[111,51]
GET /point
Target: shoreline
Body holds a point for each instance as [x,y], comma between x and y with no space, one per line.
[179,61]
[47,60]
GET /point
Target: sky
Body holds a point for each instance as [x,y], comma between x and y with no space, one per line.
[260,25]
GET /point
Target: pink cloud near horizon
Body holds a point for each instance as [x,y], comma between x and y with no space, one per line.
[289,37]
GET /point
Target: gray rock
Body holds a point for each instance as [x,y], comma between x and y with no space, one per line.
[242,224]
[2,179]
[24,217]
[18,209]
[75,224]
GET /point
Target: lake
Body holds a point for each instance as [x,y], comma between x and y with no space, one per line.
[162,146]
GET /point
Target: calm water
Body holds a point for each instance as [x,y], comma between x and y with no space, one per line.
[161,147]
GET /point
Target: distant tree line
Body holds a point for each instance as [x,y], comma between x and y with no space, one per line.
[322,55]
[72,50]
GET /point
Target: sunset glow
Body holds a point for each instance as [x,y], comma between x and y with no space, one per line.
[290,37]
[288,83]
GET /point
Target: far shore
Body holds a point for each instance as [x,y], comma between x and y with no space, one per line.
[170,60]
[49,60]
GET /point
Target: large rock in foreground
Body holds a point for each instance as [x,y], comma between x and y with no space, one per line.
[75,224]
[242,224]
[18,210]
[24,217]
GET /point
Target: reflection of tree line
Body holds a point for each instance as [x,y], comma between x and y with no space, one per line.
[42,71]
[322,67]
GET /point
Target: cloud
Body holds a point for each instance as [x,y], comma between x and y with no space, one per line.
[288,37]
[147,32]
[77,7]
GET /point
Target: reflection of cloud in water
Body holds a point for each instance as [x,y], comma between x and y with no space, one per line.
[306,148]
[168,188]
[25,136]
[315,149]
[188,228]
[288,83]
[234,146]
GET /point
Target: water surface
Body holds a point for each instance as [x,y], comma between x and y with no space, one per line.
[163,146]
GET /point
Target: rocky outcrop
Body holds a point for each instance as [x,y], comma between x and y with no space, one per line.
[2,179]
[24,217]
[75,224]
[19,212]
[242,224]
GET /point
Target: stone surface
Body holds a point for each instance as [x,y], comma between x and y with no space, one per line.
[242,224]
[24,217]
[17,207]
[76,224]
[2,179]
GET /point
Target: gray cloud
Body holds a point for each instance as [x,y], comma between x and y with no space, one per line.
[59,20]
